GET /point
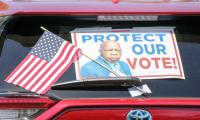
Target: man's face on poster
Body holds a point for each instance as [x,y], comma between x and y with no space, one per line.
[111,51]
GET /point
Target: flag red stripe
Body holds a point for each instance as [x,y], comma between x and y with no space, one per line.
[59,75]
[68,63]
[16,69]
[50,67]
[21,72]
[57,68]
[34,72]
[38,71]
[29,72]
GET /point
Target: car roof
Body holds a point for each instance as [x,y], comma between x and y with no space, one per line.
[90,7]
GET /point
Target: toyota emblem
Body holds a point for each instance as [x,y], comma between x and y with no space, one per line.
[139,115]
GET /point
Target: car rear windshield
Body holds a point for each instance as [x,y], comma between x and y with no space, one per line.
[20,34]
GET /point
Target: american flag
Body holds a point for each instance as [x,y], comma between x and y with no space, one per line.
[46,62]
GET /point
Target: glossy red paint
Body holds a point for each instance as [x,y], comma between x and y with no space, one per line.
[99,7]
[111,109]
[121,113]
[104,109]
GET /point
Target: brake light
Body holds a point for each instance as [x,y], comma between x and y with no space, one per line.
[23,108]
[128,18]
[115,1]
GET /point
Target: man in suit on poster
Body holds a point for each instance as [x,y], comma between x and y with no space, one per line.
[108,63]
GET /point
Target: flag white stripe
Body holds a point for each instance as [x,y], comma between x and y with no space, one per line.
[26,70]
[58,71]
[20,69]
[53,68]
[32,73]
[46,67]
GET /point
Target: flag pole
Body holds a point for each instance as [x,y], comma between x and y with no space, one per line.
[43,28]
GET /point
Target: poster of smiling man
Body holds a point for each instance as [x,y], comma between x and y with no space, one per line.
[143,52]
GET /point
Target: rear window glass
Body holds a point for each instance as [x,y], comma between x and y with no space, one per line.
[23,34]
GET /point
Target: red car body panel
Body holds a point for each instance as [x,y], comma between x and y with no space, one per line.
[112,109]
[11,7]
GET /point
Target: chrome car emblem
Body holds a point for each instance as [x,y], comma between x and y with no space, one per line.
[138,115]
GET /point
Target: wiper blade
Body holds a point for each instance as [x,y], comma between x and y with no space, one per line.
[95,83]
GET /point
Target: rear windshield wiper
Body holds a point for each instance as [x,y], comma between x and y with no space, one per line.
[95,83]
[113,83]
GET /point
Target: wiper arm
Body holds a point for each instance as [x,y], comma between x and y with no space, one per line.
[102,83]
[99,83]
[112,83]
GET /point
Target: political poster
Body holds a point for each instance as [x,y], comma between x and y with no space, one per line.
[145,52]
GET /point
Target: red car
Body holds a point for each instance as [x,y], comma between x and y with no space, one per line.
[170,95]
